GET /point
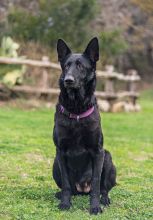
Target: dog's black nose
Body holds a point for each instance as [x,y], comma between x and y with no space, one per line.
[69,79]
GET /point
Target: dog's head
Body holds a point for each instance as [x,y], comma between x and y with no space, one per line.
[77,69]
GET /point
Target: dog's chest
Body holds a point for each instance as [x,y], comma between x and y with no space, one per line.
[72,133]
[77,159]
[75,149]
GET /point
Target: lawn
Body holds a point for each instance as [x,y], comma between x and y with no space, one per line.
[27,152]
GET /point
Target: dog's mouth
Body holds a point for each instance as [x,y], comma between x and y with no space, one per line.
[70,85]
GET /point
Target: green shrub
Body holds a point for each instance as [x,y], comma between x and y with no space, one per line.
[8,47]
[68,19]
[10,74]
[111,45]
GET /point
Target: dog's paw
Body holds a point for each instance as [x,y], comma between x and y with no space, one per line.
[64,206]
[95,210]
[105,201]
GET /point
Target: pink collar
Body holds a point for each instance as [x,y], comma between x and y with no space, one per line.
[75,116]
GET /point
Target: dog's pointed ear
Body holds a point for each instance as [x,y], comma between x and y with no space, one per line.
[62,49]
[92,50]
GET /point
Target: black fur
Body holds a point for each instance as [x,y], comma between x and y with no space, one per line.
[81,165]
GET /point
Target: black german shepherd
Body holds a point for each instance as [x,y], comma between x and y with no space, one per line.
[81,165]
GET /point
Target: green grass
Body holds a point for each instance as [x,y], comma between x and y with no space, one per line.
[27,152]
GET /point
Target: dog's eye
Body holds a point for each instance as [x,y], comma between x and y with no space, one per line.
[66,66]
[79,64]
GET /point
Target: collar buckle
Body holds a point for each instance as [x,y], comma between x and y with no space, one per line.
[78,117]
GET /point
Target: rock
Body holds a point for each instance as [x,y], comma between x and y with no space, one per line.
[50,105]
[137,108]
[104,105]
[125,107]
[118,107]
[129,107]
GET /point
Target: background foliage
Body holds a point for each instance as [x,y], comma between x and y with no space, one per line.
[124,29]
[10,75]
[67,19]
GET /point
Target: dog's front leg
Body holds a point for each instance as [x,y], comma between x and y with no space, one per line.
[66,189]
[98,159]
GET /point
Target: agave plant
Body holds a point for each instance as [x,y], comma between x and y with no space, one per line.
[10,75]
[9,47]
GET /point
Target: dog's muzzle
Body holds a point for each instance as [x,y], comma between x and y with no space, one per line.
[69,81]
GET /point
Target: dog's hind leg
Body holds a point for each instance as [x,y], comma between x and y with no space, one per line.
[108,178]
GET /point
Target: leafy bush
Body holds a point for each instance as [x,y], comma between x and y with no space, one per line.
[111,44]
[68,19]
